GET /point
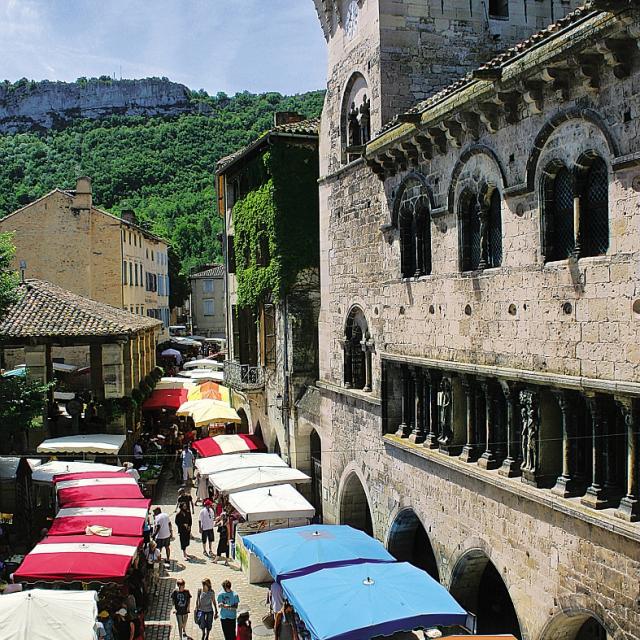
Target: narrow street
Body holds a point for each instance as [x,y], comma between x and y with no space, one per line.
[160,621]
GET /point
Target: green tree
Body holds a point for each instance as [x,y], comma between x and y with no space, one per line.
[8,277]
[178,282]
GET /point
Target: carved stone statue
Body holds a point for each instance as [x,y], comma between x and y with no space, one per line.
[529,439]
[365,120]
[354,126]
[444,412]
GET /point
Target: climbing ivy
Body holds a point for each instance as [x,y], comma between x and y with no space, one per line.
[281,214]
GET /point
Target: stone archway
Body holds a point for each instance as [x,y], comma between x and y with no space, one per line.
[354,506]
[478,586]
[409,542]
[315,454]
[243,426]
[575,625]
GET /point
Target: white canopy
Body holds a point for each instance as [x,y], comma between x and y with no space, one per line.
[203,374]
[45,472]
[215,464]
[254,477]
[46,614]
[203,363]
[175,383]
[108,443]
[270,503]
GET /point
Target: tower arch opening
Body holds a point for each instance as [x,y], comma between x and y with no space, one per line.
[478,586]
[409,542]
[354,506]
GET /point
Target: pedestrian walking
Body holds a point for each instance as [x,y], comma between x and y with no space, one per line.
[207,609]
[206,522]
[228,602]
[186,458]
[223,539]
[202,491]
[244,631]
[181,599]
[183,524]
[163,531]
[153,557]
[123,626]
[285,628]
[184,495]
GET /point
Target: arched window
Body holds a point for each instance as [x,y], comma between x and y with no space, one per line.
[414,226]
[494,231]
[357,352]
[594,211]
[559,242]
[407,236]
[470,244]
[356,117]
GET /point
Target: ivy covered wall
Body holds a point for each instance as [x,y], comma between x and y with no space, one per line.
[277,223]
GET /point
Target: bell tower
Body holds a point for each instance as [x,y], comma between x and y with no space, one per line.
[396,53]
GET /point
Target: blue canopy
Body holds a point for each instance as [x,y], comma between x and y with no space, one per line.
[302,550]
[366,600]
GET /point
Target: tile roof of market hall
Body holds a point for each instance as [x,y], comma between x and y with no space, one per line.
[45,310]
[305,128]
[491,69]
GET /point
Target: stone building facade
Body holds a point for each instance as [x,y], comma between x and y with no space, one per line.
[268,196]
[207,303]
[64,239]
[478,387]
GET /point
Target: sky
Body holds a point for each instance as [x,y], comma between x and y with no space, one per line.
[216,45]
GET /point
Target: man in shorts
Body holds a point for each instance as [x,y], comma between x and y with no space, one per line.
[162,532]
[186,458]
[206,523]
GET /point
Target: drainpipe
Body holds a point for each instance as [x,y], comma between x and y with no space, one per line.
[285,394]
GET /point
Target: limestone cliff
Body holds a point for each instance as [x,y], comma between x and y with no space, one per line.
[28,106]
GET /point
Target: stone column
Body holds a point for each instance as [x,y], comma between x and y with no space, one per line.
[431,408]
[576,219]
[595,496]
[629,508]
[366,349]
[97,383]
[347,346]
[418,435]
[470,450]
[488,459]
[483,215]
[135,361]
[566,484]
[403,427]
[511,464]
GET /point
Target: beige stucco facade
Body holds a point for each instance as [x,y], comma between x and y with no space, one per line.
[207,302]
[64,239]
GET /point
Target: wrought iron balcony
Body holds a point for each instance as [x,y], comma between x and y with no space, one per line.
[243,377]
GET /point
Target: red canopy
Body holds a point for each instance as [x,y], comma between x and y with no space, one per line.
[78,558]
[123,517]
[95,485]
[237,443]
[165,399]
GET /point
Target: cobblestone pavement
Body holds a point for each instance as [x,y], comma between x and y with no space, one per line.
[160,622]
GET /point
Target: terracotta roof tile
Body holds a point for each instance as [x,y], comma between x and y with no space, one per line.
[217,271]
[46,310]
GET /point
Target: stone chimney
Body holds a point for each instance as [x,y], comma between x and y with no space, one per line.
[129,215]
[286,117]
[82,198]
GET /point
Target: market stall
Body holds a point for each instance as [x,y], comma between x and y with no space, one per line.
[215,464]
[45,614]
[205,412]
[371,599]
[45,473]
[204,363]
[94,443]
[254,477]
[208,390]
[99,485]
[224,444]
[201,375]
[168,399]
[264,509]
[84,558]
[117,517]
[174,382]
[292,552]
